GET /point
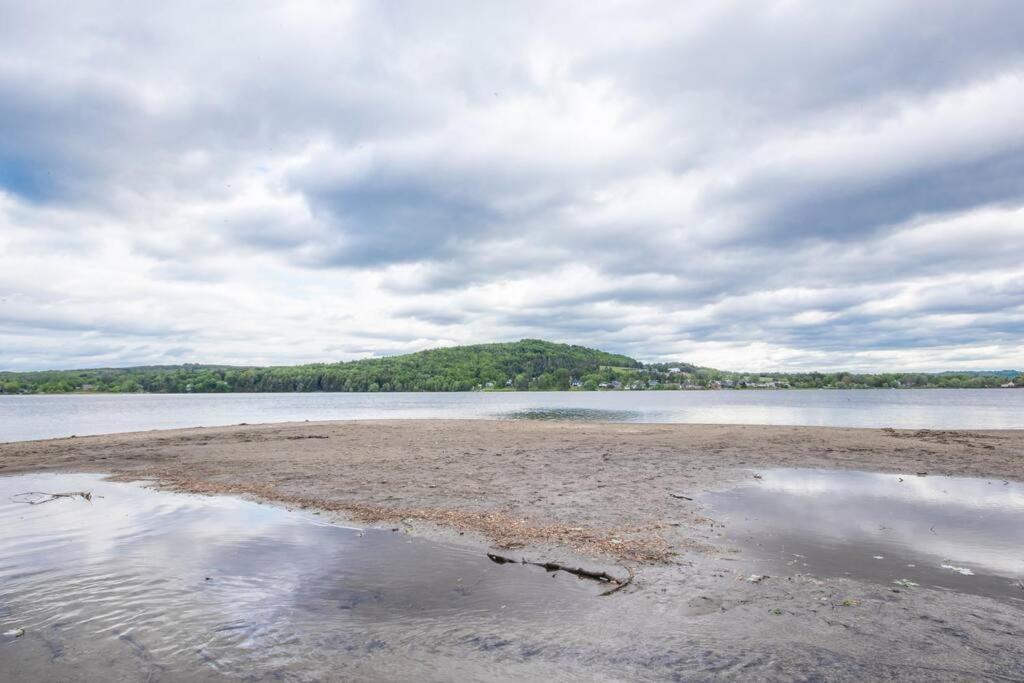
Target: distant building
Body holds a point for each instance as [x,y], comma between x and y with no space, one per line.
[674,371]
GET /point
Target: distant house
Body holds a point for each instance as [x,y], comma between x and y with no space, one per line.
[652,382]
[674,371]
[575,383]
[1008,385]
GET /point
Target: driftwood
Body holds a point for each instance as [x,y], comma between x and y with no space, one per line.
[40,497]
[680,496]
[603,577]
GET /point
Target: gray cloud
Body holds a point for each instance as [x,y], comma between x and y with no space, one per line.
[784,185]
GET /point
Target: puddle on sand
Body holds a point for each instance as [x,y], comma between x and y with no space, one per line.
[952,532]
[138,582]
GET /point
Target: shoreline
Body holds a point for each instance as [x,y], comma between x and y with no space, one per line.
[597,496]
[500,391]
[599,490]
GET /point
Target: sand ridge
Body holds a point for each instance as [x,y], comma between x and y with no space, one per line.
[618,490]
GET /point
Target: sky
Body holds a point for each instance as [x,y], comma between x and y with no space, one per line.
[753,186]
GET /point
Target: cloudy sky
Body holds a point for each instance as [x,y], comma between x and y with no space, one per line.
[775,185]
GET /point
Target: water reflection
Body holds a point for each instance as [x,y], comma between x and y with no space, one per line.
[960,533]
[158,581]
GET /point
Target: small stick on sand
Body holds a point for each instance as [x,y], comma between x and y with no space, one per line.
[603,577]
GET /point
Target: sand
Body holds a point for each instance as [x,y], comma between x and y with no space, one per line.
[595,489]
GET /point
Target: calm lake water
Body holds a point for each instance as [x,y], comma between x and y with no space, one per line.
[41,417]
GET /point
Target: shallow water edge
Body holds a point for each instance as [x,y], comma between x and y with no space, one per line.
[149,584]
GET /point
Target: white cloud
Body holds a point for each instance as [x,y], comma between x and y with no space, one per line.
[786,187]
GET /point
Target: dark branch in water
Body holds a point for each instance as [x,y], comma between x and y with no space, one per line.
[603,577]
[40,497]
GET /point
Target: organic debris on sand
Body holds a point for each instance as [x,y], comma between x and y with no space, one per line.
[635,544]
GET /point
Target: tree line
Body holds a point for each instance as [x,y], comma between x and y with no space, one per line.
[527,365]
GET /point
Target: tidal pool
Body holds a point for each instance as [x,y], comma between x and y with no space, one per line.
[958,533]
[137,583]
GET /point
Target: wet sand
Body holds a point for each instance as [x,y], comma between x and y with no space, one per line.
[614,496]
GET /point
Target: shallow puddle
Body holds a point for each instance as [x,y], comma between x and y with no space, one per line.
[137,582]
[951,532]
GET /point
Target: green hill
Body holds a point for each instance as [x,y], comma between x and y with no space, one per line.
[524,365]
[527,365]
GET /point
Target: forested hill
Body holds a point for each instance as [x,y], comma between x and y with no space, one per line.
[524,365]
[527,365]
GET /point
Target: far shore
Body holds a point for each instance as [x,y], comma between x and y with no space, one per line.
[502,390]
[595,489]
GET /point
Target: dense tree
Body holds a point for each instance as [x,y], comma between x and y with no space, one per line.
[529,364]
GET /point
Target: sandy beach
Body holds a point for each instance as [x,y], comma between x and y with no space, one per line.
[617,497]
[596,489]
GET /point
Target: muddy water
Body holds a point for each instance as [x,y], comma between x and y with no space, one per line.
[152,582]
[959,534]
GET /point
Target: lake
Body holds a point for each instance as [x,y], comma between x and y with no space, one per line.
[49,416]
